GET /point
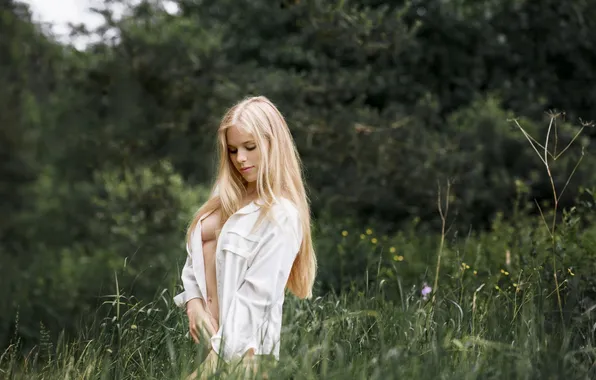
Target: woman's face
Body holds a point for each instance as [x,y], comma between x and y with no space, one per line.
[244,153]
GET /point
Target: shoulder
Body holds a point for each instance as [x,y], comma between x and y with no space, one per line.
[285,208]
[286,216]
[285,211]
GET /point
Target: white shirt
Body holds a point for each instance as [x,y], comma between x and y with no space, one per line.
[252,269]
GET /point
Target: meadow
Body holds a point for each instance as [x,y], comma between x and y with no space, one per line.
[509,328]
[494,313]
[510,302]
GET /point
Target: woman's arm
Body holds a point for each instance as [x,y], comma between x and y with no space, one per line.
[189,281]
[200,322]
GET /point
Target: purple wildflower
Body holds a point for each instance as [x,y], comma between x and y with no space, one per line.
[425,291]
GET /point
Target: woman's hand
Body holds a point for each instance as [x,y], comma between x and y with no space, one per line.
[200,321]
[214,324]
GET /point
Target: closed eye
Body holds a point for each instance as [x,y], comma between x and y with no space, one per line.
[234,151]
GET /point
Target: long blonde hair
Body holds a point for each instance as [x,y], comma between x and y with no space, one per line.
[279,175]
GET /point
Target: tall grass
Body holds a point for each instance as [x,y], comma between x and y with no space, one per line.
[490,334]
[547,157]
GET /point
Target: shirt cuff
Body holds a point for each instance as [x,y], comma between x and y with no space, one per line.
[181,299]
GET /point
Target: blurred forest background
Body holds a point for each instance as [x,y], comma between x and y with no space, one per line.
[106,152]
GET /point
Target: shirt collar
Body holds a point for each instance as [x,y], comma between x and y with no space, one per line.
[253,206]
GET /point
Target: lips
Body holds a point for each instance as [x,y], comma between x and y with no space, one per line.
[244,170]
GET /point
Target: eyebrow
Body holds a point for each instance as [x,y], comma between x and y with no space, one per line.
[244,143]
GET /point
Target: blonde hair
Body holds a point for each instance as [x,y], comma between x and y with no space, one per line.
[279,175]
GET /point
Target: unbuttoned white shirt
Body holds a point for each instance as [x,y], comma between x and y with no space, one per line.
[252,269]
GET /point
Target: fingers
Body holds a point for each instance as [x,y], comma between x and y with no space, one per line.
[192,326]
[195,336]
[206,323]
[200,329]
[194,333]
[209,325]
[214,325]
[201,323]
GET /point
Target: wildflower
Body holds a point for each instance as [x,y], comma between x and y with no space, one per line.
[133,327]
[475,272]
[497,287]
[392,249]
[344,233]
[398,258]
[369,231]
[570,271]
[362,236]
[425,291]
[374,240]
[505,272]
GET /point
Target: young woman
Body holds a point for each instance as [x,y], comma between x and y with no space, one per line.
[251,240]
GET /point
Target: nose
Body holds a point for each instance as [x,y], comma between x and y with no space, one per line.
[241,157]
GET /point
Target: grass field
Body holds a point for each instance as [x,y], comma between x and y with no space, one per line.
[486,334]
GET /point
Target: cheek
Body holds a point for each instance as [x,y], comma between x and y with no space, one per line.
[252,156]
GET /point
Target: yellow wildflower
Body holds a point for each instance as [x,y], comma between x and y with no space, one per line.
[369,231]
[362,236]
[344,233]
[392,249]
[374,240]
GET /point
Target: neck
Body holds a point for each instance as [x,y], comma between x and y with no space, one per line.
[251,189]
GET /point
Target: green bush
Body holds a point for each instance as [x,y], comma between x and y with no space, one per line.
[127,226]
[505,257]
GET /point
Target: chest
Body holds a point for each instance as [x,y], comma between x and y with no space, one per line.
[210,226]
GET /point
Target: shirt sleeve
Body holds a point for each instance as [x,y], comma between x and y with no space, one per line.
[189,281]
[253,295]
